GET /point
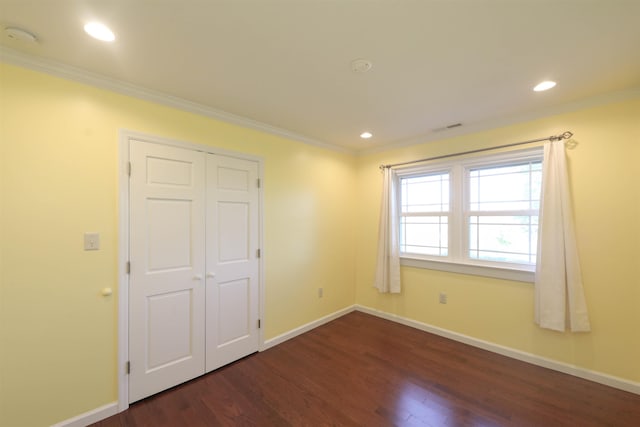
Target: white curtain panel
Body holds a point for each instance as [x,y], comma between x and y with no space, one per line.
[388,264]
[558,284]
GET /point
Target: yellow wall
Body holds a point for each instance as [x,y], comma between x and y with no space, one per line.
[58,178]
[606,193]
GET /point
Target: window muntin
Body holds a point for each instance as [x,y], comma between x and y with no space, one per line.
[476,212]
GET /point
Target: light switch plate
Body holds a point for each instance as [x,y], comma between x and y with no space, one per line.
[91,241]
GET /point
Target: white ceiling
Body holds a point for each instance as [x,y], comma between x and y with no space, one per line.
[287,63]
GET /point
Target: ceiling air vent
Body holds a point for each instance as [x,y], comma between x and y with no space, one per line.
[455,125]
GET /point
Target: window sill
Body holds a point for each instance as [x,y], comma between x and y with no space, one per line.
[471,269]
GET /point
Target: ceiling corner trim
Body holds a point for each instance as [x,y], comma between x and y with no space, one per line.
[68,72]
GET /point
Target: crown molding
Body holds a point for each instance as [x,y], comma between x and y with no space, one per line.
[593,101]
[68,72]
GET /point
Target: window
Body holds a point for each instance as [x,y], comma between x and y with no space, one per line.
[477,216]
[424,221]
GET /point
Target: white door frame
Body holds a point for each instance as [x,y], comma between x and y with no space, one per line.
[123,244]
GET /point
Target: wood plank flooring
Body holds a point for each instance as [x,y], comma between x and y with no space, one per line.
[360,370]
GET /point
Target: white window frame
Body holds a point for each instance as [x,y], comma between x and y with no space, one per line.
[458,260]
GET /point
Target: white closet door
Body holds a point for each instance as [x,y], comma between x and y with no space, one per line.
[167,284]
[232,260]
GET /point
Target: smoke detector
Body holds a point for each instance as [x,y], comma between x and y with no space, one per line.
[361,65]
[20,35]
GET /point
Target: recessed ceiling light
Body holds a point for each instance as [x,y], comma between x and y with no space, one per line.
[99,31]
[545,85]
[366,135]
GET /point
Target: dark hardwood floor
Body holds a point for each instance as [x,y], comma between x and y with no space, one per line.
[360,370]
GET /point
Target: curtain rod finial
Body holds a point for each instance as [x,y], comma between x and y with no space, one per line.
[562,136]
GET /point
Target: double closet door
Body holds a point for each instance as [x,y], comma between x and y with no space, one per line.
[194,272]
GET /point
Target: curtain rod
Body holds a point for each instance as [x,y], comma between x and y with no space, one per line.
[565,135]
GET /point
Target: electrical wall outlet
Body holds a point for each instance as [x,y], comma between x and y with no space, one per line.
[442,298]
[320,292]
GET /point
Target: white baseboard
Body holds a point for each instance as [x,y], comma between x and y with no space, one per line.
[305,328]
[110,409]
[90,417]
[598,377]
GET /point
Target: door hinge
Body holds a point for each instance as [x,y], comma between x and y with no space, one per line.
[258,182]
[259,323]
[258,253]
[128,267]
[127,367]
[129,169]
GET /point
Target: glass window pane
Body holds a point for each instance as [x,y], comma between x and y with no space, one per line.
[506,187]
[503,238]
[426,193]
[425,235]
